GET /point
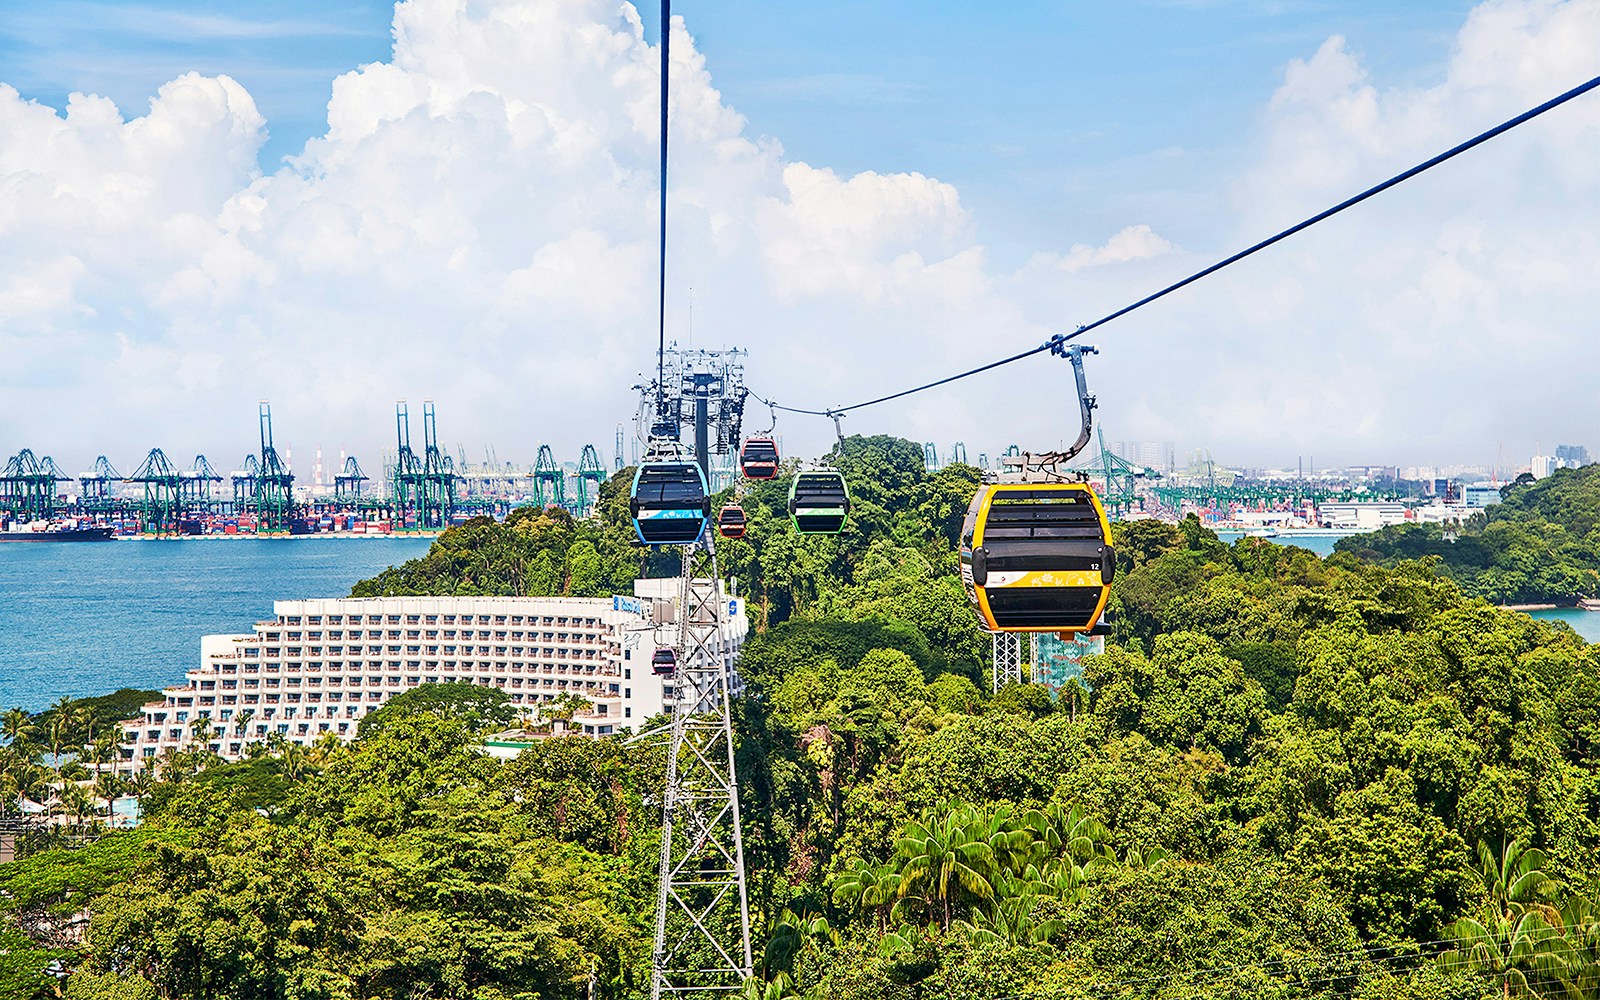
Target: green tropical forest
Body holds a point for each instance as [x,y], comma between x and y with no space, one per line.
[1539,545]
[1287,777]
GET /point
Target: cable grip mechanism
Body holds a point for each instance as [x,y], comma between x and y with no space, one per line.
[1047,467]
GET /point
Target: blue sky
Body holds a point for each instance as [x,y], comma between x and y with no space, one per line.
[493,190]
[1049,117]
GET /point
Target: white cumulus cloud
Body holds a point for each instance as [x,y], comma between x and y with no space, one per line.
[477,225]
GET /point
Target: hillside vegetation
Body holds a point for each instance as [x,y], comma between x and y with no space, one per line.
[1286,778]
[1541,544]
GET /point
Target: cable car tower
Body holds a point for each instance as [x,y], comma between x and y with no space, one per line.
[702,941]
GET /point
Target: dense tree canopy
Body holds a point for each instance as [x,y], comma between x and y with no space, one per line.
[1287,777]
[1541,544]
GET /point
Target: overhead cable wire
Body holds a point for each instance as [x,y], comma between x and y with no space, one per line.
[1056,343]
[661,290]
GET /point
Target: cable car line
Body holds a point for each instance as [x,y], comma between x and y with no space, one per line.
[1057,343]
[661,289]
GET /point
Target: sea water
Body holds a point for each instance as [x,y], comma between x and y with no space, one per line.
[87,618]
[1322,545]
[1585,623]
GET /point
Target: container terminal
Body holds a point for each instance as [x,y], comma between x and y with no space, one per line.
[425,490]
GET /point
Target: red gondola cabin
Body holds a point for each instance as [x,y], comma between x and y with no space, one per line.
[730,522]
[665,662]
[758,459]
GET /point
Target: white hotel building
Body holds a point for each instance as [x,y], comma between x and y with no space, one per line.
[319,666]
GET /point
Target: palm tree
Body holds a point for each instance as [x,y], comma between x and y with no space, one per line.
[143,781]
[97,754]
[18,727]
[868,887]
[1012,840]
[1011,921]
[76,803]
[1518,931]
[779,987]
[1146,860]
[1516,877]
[791,935]
[1069,833]
[60,727]
[324,748]
[946,860]
[1574,960]
[11,783]
[1507,947]
[293,756]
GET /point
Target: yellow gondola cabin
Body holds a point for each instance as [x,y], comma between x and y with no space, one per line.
[1037,557]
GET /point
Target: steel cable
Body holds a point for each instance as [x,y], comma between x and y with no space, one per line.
[1054,344]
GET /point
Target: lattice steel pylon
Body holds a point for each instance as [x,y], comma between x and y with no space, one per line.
[702,944]
[1007,659]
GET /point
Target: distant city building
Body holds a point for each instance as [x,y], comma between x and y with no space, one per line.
[1478,495]
[1438,513]
[1572,456]
[1567,456]
[1158,455]
[320,666]
[1364,516]
[1543,465]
